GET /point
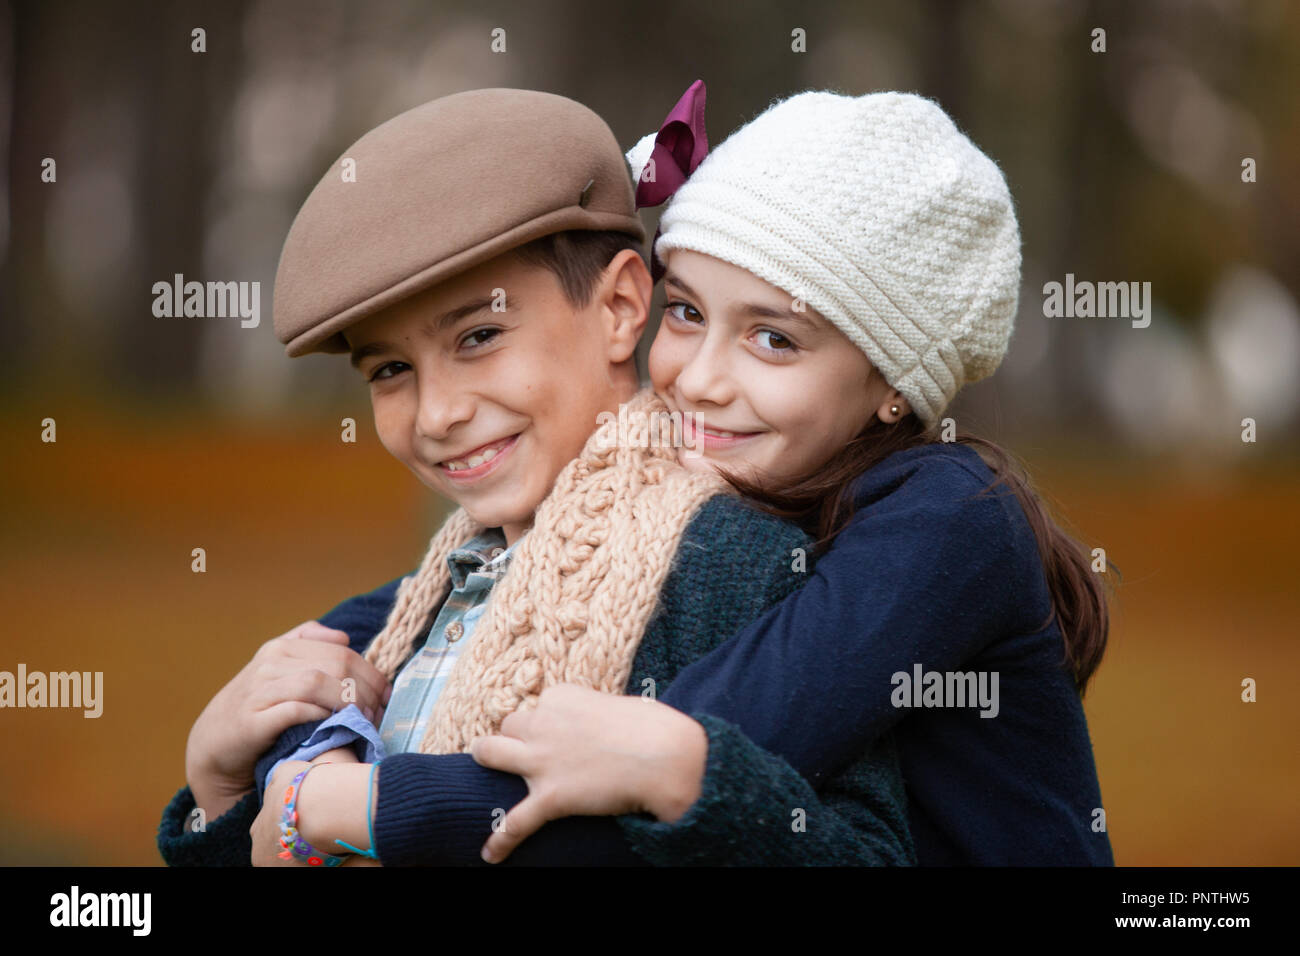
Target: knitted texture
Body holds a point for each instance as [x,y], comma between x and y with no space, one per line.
[877,212]
[224,841]
[581,588]
[859,816]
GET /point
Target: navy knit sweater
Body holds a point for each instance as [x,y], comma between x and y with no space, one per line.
[754,809]
[930,572]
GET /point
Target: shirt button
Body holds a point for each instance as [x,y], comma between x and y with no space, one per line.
[453,631]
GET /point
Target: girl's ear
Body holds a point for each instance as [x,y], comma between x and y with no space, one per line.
[893,407]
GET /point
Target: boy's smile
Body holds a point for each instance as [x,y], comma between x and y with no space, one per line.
[478,462]
[488,384]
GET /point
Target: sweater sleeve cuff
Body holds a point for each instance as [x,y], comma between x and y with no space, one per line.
[438,812]
[224,841]
[703,834]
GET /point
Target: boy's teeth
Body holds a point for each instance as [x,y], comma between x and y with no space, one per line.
[460,464]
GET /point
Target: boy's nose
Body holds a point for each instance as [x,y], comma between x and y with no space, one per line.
[441,410]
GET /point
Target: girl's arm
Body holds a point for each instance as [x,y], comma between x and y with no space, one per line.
[926,576]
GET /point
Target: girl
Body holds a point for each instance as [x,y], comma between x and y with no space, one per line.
[835,272]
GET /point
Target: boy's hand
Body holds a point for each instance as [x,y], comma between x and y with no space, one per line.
[587,753]
[292,679]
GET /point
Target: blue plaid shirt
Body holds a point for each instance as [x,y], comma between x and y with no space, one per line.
[475,570]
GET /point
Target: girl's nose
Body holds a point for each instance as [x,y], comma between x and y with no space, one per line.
[706,377]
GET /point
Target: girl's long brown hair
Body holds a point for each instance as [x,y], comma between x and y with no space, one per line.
[822,502]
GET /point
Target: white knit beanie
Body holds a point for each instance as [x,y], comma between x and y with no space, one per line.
[877,212]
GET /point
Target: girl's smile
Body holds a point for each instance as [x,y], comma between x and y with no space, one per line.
[712,439]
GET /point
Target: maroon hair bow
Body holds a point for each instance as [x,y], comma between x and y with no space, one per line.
[680,146]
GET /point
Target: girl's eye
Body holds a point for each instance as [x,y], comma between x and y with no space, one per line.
[393,367]
[479,337]
[679,310]
[777,342]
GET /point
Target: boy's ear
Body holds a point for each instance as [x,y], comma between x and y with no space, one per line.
[624,300]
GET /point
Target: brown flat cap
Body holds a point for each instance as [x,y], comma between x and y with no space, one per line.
[440,189]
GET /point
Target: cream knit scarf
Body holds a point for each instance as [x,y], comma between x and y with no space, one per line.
[580,590]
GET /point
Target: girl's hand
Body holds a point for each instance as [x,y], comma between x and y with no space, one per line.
[292,679]
[587,753]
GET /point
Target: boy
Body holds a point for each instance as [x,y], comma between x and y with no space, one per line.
[484,271]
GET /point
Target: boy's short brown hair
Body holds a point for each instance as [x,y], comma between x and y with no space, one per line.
[577,257]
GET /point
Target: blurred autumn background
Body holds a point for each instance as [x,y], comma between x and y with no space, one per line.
[173,433]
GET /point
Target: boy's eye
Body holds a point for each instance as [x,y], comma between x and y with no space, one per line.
[479,337]
[391,367]
[776,341]
[680,310]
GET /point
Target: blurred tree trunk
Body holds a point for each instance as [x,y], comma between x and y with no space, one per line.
[186,98]
[34,110]
[947,65]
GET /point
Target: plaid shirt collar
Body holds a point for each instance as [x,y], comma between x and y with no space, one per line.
[485,554]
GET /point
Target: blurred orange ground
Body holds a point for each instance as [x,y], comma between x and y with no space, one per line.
[95,548]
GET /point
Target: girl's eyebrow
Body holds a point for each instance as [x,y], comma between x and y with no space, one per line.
[430,327]
[750,308]
[768,312]
[670,279]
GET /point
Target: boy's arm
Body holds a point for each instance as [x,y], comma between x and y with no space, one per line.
[183,838]
[187,840]
[221,842]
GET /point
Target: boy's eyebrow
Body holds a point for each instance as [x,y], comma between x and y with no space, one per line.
[429,327]
[749,308]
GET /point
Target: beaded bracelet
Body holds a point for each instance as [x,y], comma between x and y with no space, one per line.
[294,846]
